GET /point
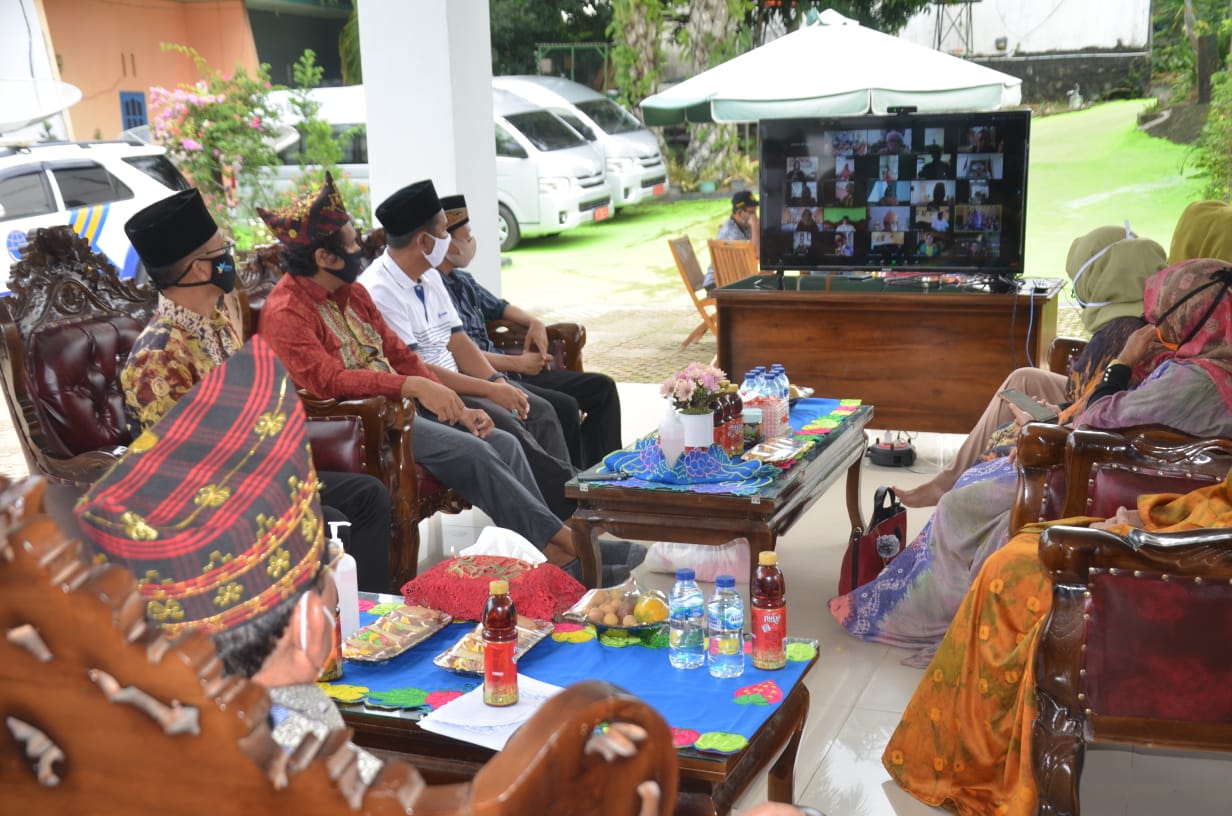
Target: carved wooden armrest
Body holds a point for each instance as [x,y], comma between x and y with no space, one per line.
[1070,553]
[1041,448]
[1062,352]
[83,469]
[565,341]
[387,426]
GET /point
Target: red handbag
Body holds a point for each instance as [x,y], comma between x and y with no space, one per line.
[869,552]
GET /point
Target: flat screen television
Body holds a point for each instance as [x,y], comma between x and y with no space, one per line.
[926,192]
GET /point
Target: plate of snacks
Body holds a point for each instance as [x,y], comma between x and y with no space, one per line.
[466,656]
[625,606]
[393,633]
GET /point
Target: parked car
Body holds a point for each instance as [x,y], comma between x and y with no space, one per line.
[92,186]
[635,168]
[549,179]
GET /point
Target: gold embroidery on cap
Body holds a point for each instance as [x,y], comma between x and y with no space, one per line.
[144,442]
[217,559]
[212,496]
[229,595]
[279,563]
[158,611]
[270,423]
[135,527]
[308,526]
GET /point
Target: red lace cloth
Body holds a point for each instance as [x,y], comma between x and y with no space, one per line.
[459,586]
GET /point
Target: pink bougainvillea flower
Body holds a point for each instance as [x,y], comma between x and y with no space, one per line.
[191,144]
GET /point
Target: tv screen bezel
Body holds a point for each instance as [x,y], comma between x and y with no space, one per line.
[814,140]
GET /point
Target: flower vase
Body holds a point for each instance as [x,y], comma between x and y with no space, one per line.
[698,429]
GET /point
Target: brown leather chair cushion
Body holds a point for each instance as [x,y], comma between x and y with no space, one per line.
[73,373]
[337,443]
[1156,649]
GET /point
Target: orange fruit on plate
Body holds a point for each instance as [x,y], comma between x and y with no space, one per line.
[651,609]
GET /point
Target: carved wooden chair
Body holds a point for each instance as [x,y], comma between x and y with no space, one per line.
[733,261]
[104,715]
[1132,651]
[565,340]
[693,277]
[67,330]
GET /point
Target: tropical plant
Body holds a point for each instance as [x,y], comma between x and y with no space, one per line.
[1213,153]
[216,128]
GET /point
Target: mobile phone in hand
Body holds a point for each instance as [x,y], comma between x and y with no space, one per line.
[1033,409]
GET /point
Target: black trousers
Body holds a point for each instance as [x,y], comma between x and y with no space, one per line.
[364,502]
[595,394]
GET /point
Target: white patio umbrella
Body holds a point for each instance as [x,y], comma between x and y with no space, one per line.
[835,67]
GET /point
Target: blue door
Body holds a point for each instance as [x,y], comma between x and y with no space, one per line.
[132,109]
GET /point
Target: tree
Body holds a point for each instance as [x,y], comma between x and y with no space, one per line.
[517,25]
[884,15]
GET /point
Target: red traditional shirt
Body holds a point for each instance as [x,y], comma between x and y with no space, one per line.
[336,344]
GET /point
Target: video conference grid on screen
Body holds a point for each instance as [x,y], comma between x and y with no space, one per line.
[917,191]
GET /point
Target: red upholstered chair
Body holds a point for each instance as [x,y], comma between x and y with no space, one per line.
[1134,650]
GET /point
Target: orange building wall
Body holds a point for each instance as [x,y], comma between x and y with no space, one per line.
[105,47]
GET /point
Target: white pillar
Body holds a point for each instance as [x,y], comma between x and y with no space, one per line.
[428,87]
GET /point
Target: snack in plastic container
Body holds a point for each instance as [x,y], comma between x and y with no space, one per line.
[783,449]
[393,633]
[624,606]
[466,655]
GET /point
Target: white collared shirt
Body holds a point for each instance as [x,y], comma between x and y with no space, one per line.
[422,313]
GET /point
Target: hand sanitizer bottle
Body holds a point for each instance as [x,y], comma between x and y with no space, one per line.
[347,580]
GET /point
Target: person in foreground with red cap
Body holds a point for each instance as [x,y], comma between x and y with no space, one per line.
[190,263]
[214,510]
[331,337]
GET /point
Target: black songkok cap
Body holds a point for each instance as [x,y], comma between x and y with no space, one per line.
[169,230]
[455,212]
[410,208]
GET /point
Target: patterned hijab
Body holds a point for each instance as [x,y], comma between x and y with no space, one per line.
[1203,231]
[1193,300]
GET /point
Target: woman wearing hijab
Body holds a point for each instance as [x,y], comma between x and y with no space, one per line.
[1185,382]
[1203,231]
[965,737]
[1109,267]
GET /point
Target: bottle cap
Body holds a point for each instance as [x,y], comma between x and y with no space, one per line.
[686,574]
[767,558]
[725,581]
[499,587]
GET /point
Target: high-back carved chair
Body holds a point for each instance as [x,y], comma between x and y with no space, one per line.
[104,715]
[1134,648]
[68,327]
[733,261]
[565,340]
[693,277]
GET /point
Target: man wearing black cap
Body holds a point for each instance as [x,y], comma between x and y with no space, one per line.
[332,338]
[406,286]
[742,226]
[571,393]
[191,265]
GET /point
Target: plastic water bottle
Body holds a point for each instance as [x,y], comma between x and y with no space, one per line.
[768,597]
[346,577]
[685,649]
[725,622]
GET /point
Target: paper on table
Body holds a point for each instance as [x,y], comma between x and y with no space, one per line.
[466,718]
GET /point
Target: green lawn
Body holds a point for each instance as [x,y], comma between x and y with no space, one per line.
[1088,169]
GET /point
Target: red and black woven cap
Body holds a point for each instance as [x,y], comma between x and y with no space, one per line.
[309,218]
[215,508]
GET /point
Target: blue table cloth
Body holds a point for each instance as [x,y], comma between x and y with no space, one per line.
[705,713]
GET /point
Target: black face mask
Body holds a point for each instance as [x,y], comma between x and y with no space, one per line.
[354,264]
[222,273]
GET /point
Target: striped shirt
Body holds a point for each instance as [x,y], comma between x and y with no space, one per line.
[422,313]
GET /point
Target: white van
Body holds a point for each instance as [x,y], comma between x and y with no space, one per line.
[635,168]
[548,178]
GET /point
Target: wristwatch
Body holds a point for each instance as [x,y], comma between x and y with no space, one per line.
[499,375]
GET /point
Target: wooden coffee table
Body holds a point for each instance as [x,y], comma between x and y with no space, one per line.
[702,518]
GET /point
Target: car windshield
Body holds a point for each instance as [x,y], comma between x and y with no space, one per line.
[161,170]
[545,131]
[611,117]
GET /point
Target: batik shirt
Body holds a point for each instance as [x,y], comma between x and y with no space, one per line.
[171,355]
[475,306]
